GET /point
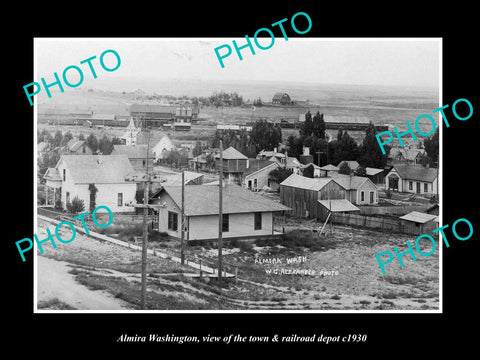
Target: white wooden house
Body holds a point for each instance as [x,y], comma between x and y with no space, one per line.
[76,175]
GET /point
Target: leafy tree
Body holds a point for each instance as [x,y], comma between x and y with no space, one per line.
[344,169]
[370,153]
[280,174]
[176,158]
[346,148]
[265,135]
[92,142]
[318,126]
[306,128]
[45,136]
[197,150]
[117,141]
[308,171]
[66,138]
[295,146]
[57,138]
[75,206]
[105,145]
[361,171]
[432,145]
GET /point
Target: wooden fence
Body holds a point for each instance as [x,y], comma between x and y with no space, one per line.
[396,225]
[392,210]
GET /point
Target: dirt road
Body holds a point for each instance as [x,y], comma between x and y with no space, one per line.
[54,282]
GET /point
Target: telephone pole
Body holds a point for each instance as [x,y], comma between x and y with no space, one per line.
[145,232]
[220,215]
[182,230]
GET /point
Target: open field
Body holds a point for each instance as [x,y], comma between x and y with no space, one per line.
[354,281]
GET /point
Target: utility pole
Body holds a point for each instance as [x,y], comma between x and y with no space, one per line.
[145,232]
[220,215]
[182,230]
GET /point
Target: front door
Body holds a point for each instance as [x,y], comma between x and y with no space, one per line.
[418,187]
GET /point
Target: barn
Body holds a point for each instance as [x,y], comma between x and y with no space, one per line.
[301,194]
[281,99]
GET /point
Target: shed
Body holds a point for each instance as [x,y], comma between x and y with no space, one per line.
[301,194]
[418,223]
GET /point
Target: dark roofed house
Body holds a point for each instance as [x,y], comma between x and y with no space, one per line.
[281,99]
[257,175]
[246,215]
[415,179]
[136,154]
[78,147]
[302,195]
[152,114]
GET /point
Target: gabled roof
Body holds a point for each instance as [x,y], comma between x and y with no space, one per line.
[292,162]
[338,205]
[372,171]
[105,169]
[278,96]
[415,172]
[316,167]
[203,200]
[352,164]
[329,167]
[231,154]
[301,182]
[418,217]
[132,152]
[75,144]
[52,174]
[265,153]
[257,165]
[350,182]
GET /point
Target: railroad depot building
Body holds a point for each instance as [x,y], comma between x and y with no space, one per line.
[415,179]
[246,215]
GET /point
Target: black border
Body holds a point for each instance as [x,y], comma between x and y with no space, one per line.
[91,333]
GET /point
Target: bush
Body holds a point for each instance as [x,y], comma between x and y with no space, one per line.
[245,246]
[388,194]
[158,236]
[75,206]
[58,204]
[41,198]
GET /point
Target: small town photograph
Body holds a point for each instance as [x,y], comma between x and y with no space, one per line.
[257,187]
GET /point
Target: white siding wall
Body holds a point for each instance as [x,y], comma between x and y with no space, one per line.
[206,227]
[107,195]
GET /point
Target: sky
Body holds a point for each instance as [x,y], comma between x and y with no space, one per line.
[364,61]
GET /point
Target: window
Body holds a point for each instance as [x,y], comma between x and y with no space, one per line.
[67,196]
[120,199]
[258,221]
[225,223]
[64,174]
[425,187]
[172,221]
[362,196]
[372,197]
[410,185]
[144,163]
